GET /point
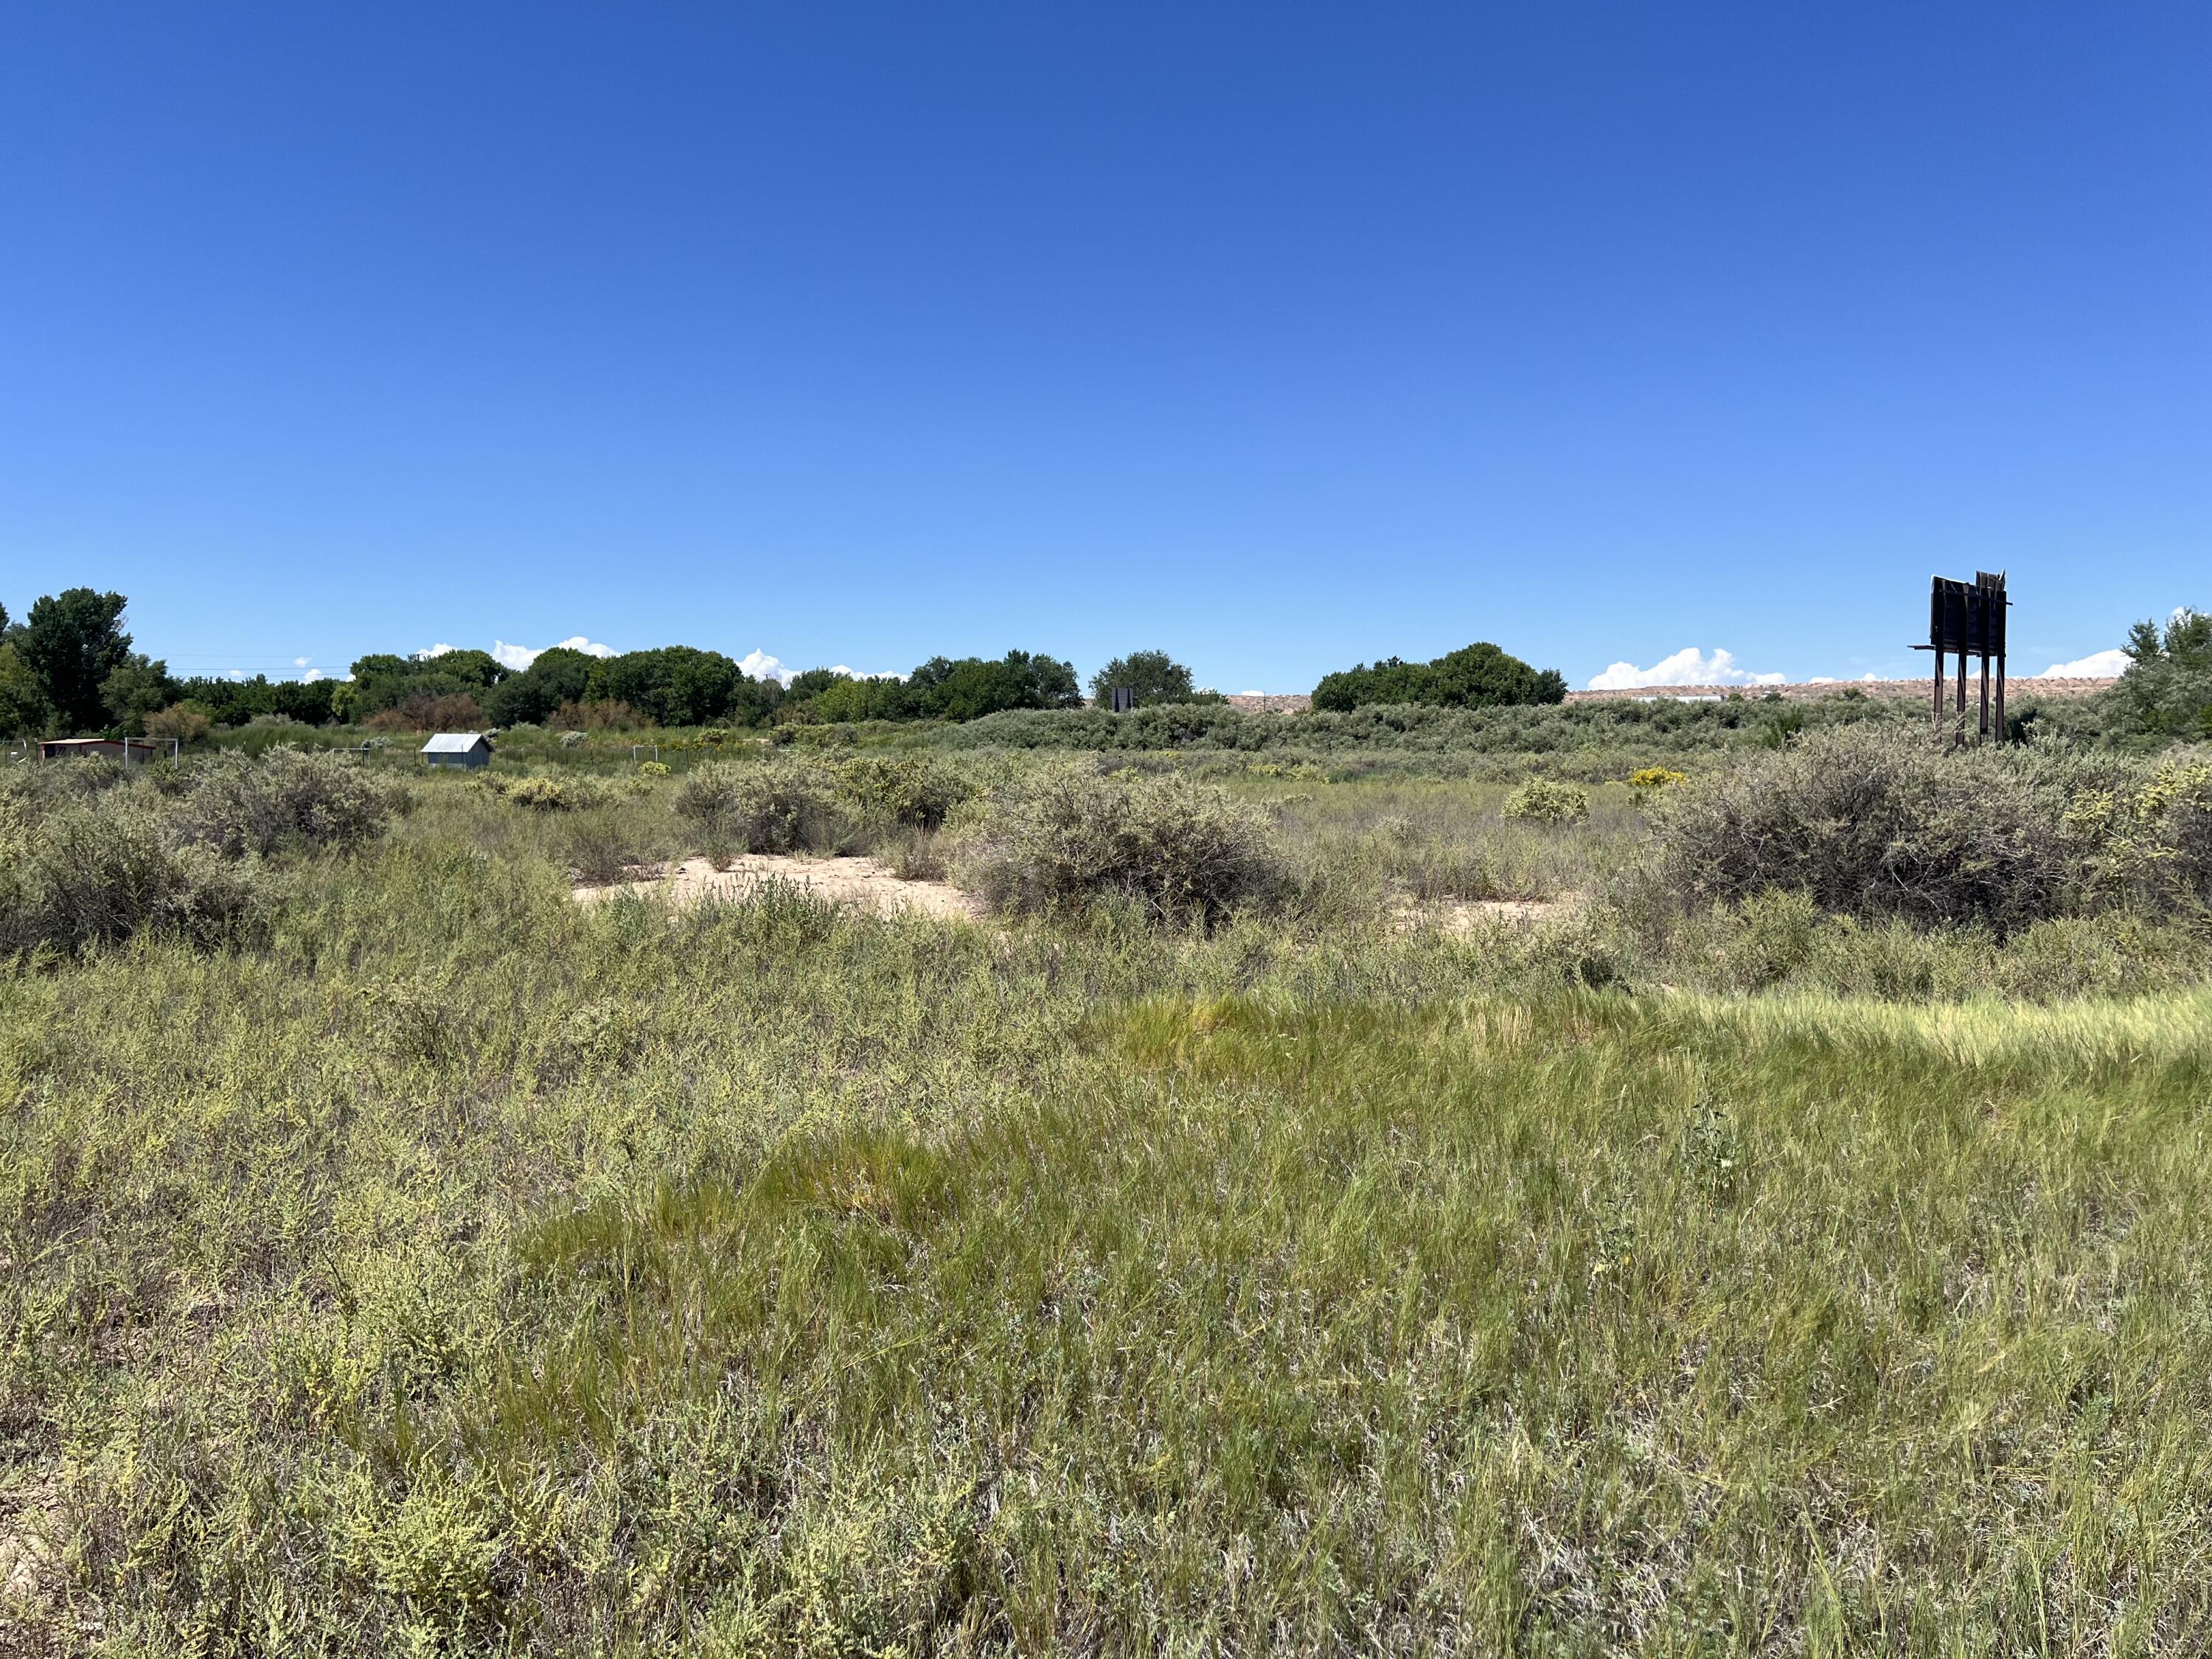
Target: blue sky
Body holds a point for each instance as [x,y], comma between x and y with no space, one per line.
[1280,336]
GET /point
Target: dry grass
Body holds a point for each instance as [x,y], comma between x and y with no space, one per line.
[466,1270]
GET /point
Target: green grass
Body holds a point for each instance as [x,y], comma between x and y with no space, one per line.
[466,1271]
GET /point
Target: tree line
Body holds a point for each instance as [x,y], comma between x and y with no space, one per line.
[69,667]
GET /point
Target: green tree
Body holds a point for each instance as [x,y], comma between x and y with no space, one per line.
[137,688]
[2167,687]
[72,641]
[1479,675]
[22,707]
[1154,676]
[968,688]
[812,681]
[558,675]
[385,680]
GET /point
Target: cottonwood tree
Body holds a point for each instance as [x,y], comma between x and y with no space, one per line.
[1154,676]
[71,642]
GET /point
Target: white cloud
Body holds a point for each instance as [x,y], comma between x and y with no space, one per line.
[762,666]
[2097,666]
[520,657]
[438,650]
[311,675]
[1688,666]
[301,662]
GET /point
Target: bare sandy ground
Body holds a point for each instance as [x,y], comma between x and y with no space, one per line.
[860,882]
[1465,915]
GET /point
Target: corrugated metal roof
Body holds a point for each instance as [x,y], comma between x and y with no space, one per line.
[454,742]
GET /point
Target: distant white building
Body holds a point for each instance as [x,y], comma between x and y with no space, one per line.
[458,748]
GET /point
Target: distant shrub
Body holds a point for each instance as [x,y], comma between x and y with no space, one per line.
[180,722]
[913,791]
[1546,800]
[1184,851]
[422,711]
[286,798]
[546,794]
[1869,825]
[653,769]
[780,805]
[600,716]
[1655,778]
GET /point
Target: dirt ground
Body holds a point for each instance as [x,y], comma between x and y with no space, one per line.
[1465,915]
[861,882]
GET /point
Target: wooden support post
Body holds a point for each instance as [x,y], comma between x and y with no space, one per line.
[2001,725]
[1936,708]
[1959,708]
[1985,698]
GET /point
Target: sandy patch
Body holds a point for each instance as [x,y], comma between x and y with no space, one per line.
[1466,916]
[860,882]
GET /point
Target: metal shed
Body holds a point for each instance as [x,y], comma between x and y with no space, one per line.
[126,750]
[458,748]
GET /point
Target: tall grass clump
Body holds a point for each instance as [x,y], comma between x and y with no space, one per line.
[1872,825]
[1185,852]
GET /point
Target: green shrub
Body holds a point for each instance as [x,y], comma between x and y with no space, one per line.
[915,792]
[1869,825]
[1655,778]
[546,794]
[1185,852]
[287,797]
[607,844]
[1546,800]
[179,722]
[2152,841]
[784,805]
[94,874]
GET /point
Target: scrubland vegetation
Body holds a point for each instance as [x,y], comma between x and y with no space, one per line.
[1752,1207]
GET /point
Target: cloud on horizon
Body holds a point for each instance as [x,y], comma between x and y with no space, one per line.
[1688,666]
[2097,666]
[520,657]
[762,666]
